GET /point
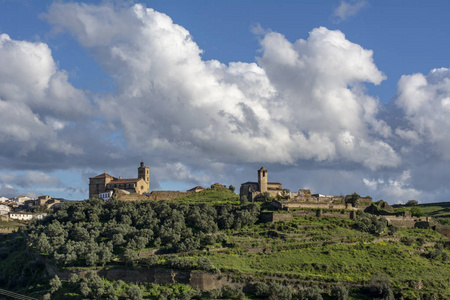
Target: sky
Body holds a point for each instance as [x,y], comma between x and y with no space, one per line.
[333,96]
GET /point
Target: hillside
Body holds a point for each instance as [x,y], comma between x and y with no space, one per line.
[440,211]
[189,248]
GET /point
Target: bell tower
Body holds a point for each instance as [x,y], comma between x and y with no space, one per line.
[144,172]
[262,180]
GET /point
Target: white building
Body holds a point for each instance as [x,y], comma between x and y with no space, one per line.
[106,195]
[26,216]
[4,209]
[21,199]
[4,199]
[20,216]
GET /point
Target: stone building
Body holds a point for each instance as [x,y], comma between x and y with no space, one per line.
[254,190]
[104,182]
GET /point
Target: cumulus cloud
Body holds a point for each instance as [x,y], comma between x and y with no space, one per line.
[348,9]
[301,101]
[302,107]
[36,100]
[398,187]
[425,101]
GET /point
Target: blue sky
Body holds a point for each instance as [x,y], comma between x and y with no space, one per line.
[335,96]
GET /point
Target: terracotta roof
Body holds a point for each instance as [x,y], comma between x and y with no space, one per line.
[104,175]
[128,180]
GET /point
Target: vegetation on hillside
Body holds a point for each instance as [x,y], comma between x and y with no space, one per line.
[305,258]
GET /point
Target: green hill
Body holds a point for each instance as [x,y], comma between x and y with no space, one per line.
[302,258]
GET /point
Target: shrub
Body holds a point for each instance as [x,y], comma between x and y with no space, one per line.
[261,289]
[134,292]
[434,254]
[55,284]
[279,292]
[379,286]
[420,241]
[232,292]
[215,294]
[311,293]
[407,240]
[205,264]
[340,292]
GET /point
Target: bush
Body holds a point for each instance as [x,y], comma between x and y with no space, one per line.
[311,293]
[412,203]
[370,223]
[134,292]
[434,254]
[205,264]
[232,292]
[261,289]
[280,292]
[340,292]
[215,294]
[55,284]
[407,240]
[379,286]
[416,212]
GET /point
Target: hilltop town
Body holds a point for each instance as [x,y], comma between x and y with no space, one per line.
[265,242]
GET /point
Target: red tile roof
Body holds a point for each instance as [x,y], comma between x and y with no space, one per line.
[104,175]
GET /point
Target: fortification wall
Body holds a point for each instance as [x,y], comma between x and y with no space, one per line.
[132,197]
[267,217]
[197,279]
[312,205]
[343,214]
[8,230]
[404,221]
[168,195]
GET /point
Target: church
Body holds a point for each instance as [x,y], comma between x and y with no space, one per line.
[104,183]
[253,190]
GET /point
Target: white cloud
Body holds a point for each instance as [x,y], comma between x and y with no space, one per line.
[398,188]
[425,103]
[303,103]
[348,9]
[36,100]
[293,105]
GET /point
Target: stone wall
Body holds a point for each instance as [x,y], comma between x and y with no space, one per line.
[197,279]
[444,230]
[267,217]
[311,204]
[168,195]
[8,230]
[404,221]
[343,214]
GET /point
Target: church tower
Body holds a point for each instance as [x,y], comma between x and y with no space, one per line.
[262,180]
[144,172]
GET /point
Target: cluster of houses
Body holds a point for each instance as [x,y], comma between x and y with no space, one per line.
[24,208]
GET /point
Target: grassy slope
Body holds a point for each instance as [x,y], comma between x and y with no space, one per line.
[436,210]
[211,196]
[329,250]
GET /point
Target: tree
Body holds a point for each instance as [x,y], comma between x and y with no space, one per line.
[412,203]
[416,211]
[312,293]
[340,292]
[55,284]
[231,188]
[134,292]
[244,200]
